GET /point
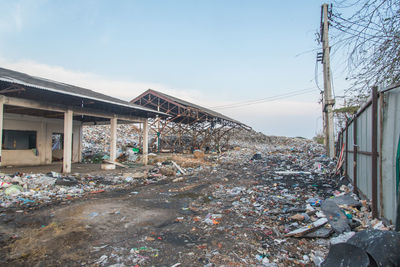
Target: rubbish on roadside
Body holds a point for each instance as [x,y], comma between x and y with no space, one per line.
[95,249]
[13,190]
[107,166]
[309,228]
[336,217]
[346,199]
[268,207]
[342,238]
[375,247]
[102,260]
[93,214]
[115,163]
[256,156]
[139,175]
[5,184]
[25,200]
[292,172]
[382,246]
[299,217]
[178,167]
[55,174]
[320,233]
[344,254]
[314,201]
[198,154]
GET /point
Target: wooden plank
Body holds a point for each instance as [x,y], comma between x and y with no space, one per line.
[307,229]
[115,163]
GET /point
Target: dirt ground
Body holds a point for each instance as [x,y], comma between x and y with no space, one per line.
[194,222]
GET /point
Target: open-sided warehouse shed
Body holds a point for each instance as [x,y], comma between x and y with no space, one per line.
[205,127]
[35,111]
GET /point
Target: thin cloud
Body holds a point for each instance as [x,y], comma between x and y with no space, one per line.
[125,90]
[282,117]
[18,12]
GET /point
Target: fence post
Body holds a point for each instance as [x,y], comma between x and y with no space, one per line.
[347,148]
[355,151]
[374,157]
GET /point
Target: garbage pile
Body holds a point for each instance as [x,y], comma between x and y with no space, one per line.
[96,141]
[267,202]
[28,190]
[281,205]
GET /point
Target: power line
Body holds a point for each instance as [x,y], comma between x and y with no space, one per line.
[267,99]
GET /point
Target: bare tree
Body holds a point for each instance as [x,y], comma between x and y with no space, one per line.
[370,35]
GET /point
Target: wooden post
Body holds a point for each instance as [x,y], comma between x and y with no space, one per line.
[68,115]
[145,141]
[1,125]
[113,139]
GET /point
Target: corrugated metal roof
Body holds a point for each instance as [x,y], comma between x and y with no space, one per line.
[188,104]
[15,77]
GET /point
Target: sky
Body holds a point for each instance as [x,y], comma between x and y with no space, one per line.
[214,53]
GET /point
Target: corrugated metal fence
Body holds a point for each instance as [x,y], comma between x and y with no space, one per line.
[371,150]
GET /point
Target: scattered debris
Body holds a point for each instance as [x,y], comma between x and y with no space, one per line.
[344,254]
[115,163]
[382,246]
[336,217]
[308,228]
[236,208]
[178,167]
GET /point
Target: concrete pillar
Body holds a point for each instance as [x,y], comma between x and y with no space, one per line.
[145,141]
[67,141]
[113,139]
[158,133]
[80,143]
[1,125]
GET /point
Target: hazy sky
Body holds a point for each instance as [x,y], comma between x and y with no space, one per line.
[213,53]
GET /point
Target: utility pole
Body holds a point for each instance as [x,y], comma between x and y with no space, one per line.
[328,102]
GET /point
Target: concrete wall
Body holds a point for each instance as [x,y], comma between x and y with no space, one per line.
[44,128]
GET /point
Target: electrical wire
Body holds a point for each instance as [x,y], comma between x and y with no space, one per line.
[316,76]
[267,99]
[333,88]
[261,100]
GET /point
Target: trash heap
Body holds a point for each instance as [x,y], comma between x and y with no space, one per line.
[96,140]
[266,202]
[31,190]
[281,205]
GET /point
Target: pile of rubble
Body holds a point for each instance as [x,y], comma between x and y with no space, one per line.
[31,190]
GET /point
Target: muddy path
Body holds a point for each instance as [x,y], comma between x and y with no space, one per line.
[79,233]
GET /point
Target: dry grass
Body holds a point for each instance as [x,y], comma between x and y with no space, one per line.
[58,240]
